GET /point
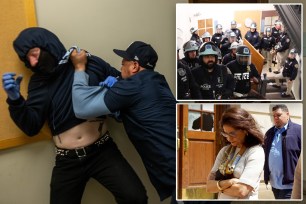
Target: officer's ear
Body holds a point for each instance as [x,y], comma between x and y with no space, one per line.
[136,67]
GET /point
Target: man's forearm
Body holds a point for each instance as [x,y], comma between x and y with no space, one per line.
[88,101]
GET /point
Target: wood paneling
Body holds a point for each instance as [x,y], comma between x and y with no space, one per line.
[15,16]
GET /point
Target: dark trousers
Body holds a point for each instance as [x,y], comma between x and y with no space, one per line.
[107,166]
[282,193]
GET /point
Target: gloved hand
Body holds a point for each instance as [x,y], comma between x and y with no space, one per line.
[11,86]
[108,82]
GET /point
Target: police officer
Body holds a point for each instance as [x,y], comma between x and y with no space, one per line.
[195,36]
[191,59]
[244,72]
[206,37]
[227,41]
[217,37]
[253,36]
[215,80]
[232,55]
[282,50]
[290,71]
[276,30]
[267,43]
[186,86]
[236,30]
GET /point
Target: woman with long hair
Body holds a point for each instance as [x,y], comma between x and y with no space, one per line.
[238,167]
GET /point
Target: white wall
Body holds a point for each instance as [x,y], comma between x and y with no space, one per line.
[99,27]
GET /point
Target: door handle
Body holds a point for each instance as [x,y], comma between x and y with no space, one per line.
[186,141]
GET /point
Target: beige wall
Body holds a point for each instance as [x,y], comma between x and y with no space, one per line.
[98,26]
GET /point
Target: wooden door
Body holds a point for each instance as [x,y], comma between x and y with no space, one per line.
[197,149]
[198,144]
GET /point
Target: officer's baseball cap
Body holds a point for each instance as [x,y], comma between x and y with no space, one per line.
[141,52]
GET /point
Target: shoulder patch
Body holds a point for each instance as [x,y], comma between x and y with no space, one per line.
[288,40]
[181,72]
[296,66]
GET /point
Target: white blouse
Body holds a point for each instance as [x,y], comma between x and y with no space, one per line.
[248,170]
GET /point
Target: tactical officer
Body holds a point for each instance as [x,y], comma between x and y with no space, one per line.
[276,30]
[227,41]
[276,33]
[282,50]
[186,86]
[267,43]
[253,36]
[217,37]
[191,59]
[206,37]
[232,55]
[290,71]
[195,36]
[215,81]
[244,72]
[236,30]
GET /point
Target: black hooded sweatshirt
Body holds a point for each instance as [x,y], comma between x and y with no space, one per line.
[49,95]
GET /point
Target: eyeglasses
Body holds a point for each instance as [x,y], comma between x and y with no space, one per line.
[230,134]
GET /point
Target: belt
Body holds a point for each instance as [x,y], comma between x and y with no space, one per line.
[83,151]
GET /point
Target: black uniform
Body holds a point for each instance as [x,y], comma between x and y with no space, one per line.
[228,58]
[215,84]
[267,43]
[217,38]
[276,34]
[253,38]
[243,75]
[237,32]
[186,86]
[291,68]
[225,45]
[190,63]
[196,37]
[284,43]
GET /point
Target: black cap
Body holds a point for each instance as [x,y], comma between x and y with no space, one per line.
[141,52]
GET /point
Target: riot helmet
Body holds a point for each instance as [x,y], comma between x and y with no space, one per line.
[243,55]
[190,45]
[292,53]
[205,36]
[208,48]
[232,37]
[253,26]
[268,31]
[193,29]
[219,28]
[234,45]
[233,24]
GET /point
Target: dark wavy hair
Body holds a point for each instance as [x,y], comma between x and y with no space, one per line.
[239,118]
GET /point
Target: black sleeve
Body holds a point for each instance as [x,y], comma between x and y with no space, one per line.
[230,85]
[30,115]
[257,43]
[285,45]
[98,67]
[194,87]
[294,72]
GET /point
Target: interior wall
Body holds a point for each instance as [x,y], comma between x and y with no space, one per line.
[99,27]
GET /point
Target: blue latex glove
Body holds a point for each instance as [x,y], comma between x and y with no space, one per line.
[108,82]
[11,86]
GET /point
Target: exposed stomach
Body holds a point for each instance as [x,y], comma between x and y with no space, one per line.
[81,135]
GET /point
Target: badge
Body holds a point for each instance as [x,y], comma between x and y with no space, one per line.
[181,72]
[296,66]
[248,68]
